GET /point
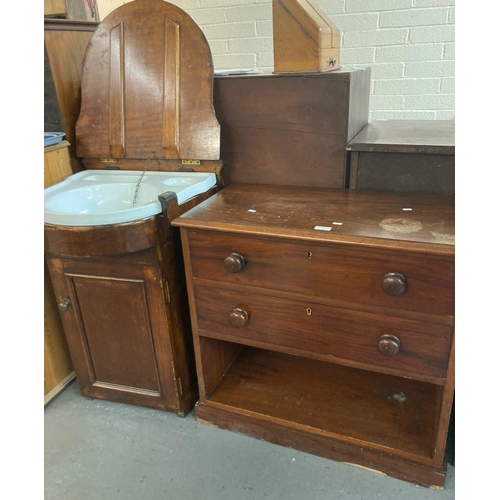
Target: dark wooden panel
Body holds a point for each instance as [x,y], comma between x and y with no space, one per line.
[450,441]
[119,330]
[160,84]
[282,157]
[116,329]
[325,330]
[304,103]
[406,172]
[52,119]
[217,357]
[288,129]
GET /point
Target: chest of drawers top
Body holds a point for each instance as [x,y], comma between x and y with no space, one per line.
[413,222]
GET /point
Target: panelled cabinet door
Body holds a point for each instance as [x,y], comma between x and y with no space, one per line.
[116,325]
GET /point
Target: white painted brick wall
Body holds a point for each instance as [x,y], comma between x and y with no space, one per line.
[409,45]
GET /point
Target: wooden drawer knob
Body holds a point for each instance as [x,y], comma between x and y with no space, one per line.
[389,345]
[238,317]
[394,284]
[234,262]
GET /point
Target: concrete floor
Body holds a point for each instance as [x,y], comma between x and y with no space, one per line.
[99,450]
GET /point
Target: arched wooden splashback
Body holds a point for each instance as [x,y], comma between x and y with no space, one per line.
[147,90]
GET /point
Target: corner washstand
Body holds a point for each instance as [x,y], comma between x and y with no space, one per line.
[150,143]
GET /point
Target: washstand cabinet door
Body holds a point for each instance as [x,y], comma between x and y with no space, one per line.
[116,325]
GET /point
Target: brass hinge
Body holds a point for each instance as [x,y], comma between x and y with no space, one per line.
[108,160]
[191,162]
[179,382]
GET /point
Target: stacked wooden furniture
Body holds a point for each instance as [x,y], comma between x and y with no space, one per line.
[120,287]
[58,369]
[323,320]
[415,156]
[290,129]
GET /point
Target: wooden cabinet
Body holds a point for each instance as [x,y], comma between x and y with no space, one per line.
[123,304]
[290,129]
[128,341]
[323,320]
[120,286]
[415,156]
[58,369]
[65,45]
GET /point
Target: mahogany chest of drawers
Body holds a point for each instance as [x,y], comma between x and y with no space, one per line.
[323,320]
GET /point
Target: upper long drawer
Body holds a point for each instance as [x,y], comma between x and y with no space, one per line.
[364,276]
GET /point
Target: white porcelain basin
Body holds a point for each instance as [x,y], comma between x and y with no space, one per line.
[99,197]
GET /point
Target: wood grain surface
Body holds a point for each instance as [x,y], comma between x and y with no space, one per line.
[156,101]
[406,136]
[359,218]
[290,129]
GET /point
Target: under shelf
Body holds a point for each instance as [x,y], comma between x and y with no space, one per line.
[393,413]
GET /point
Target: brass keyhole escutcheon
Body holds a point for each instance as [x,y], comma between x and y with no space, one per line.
[309,255]
[309,311]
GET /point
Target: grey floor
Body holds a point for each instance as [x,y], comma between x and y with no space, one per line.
[99,450]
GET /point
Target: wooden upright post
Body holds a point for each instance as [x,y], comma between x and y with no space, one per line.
[305,40]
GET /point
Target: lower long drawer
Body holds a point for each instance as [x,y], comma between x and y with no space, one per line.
[399,344]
